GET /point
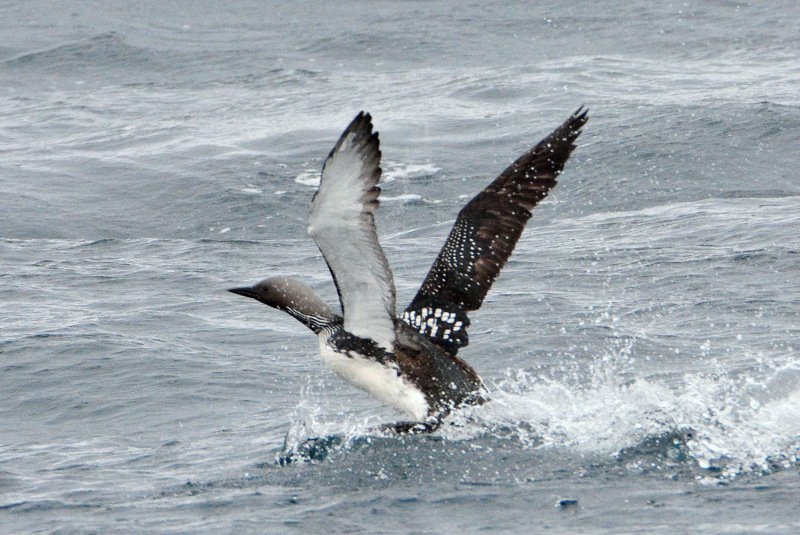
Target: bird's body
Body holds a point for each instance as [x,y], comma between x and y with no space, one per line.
[410,362]
[416,377]
[376,379]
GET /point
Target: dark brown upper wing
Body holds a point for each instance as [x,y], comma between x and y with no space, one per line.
[484,236]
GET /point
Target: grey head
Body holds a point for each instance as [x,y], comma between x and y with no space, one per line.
[294,298]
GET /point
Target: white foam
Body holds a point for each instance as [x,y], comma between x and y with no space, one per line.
[406,197]
[309,177]
[398,171]
[391,171]
[740,424]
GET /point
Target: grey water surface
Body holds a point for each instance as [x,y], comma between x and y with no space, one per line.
[641,346]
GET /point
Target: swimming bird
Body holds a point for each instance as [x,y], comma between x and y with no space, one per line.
[410,361]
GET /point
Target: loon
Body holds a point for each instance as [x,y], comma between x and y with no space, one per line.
[410,361]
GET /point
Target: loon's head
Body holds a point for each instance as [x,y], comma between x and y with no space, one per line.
[293,297]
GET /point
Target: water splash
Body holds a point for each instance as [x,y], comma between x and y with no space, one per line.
[735,422]
[726,423]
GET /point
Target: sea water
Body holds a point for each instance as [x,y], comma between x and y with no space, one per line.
[641,346]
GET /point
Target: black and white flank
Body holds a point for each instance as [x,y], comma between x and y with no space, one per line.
[410,361]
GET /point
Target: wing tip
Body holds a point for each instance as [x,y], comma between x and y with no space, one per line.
[561,142]
[575,123]
[361,126]
[362,129]
[363,141]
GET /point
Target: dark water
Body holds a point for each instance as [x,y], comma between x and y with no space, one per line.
[641,346]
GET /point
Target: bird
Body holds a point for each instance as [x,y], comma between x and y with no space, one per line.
[410,361]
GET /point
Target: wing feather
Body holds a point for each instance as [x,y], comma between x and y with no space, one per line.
[342,225]
[484,236]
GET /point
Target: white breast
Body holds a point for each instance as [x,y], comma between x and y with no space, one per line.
[381,381]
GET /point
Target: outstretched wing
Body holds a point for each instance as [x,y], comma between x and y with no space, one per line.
[343,227]
[484,236]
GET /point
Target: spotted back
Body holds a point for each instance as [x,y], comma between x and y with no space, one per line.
[445,327]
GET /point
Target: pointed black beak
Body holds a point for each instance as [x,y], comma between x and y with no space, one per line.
[247,292]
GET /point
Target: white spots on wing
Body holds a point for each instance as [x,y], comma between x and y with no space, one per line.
[460,252]
[435,323]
